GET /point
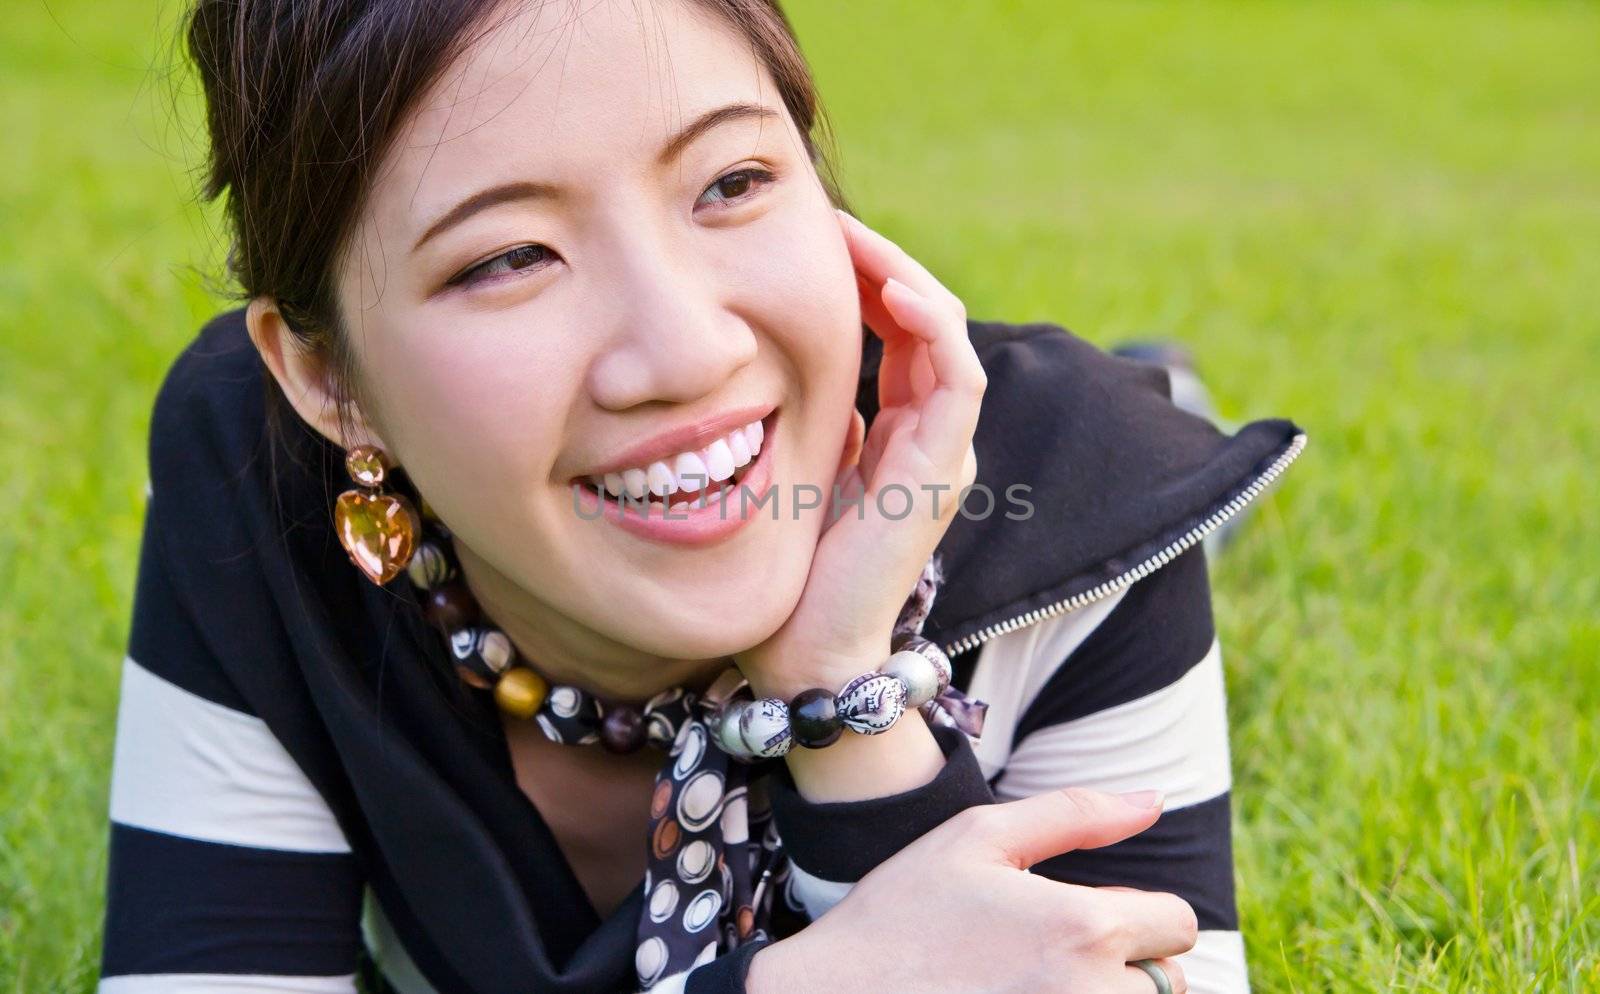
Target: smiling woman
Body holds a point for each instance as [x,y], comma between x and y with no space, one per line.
[675,456]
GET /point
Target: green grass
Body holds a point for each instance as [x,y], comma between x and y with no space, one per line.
[1382,220]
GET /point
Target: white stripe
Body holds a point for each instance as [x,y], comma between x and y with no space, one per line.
[1173,740]
[224,983]
[815,894]
[671,985]
[187,766]
[1013,668]
[1216,964]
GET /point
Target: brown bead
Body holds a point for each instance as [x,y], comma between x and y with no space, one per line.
[622,731]
[520,692]
[366,465]
[450,606]
[471,677]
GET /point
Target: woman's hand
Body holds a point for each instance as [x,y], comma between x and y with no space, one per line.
[918,454]
[954,912]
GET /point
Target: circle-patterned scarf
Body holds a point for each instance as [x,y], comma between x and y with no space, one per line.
[715,860]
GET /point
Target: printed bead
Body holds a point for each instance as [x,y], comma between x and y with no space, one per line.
[622,730]
[520,692]
[430,566]
[872,702]
[764,728]
[658,726]
[917,672]
[814,719]
[485,652]
[450,607]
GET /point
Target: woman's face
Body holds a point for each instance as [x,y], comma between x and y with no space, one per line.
[563,259]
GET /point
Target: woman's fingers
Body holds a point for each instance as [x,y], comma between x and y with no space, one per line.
[1034,828]
[1154,923]
[949,404]
[877,258]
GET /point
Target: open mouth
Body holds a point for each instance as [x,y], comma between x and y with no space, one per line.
[662,485]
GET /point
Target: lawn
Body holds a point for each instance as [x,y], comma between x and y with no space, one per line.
[1382,220]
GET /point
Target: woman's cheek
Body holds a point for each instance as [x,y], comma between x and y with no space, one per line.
[474,419]
[804,285]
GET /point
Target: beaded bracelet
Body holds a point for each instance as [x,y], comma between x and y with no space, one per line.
[915,674]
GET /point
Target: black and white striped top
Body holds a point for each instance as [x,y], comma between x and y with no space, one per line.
[232,870]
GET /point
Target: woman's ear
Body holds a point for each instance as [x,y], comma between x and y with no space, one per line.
[305,378]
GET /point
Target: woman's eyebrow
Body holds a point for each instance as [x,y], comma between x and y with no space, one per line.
[528,190]
[705,122]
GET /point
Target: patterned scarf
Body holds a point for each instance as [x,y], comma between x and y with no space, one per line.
[715,860]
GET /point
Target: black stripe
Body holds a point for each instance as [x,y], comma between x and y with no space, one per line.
[726,974]
[163,637]
[1161,628]
[1188,852]
[179,905]
[843,840]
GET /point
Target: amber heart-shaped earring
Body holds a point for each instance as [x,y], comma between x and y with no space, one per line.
[378,530]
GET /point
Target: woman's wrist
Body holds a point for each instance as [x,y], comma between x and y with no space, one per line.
[861,767]
[779,967]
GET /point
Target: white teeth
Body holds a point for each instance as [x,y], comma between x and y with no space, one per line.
[719,460]
[635,483]
[660,479]
[688,472]
[739,448]
[691,472]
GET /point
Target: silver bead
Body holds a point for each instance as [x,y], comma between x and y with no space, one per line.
[726,732]
[912,642]
[870,703]
[764,728]
[917,672]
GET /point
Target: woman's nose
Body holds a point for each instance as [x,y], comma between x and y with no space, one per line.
[675,339]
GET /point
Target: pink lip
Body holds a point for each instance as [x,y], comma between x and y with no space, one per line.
[692,436]
[690,525]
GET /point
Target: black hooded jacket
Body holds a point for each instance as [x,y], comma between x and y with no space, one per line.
[250,620]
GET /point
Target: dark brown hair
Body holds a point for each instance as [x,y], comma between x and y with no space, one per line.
[304,97]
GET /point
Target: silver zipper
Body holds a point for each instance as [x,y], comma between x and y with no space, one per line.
[1145,568]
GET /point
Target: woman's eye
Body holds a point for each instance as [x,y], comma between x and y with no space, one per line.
[520,258]
[737,185]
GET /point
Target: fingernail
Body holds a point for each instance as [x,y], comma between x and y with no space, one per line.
[891,281]
[1143,799]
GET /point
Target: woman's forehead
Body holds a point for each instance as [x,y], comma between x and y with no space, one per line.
[552,90]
